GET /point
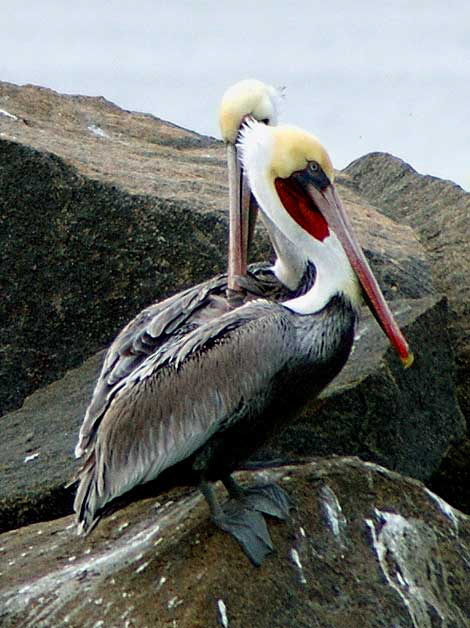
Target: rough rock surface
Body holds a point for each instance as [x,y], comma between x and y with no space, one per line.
[37,450]
[404,419]
[364,547]
[102,211]
[439,212]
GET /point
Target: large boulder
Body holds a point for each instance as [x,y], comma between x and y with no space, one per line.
[94,226]
[364,547]
[103,211]
[439,212]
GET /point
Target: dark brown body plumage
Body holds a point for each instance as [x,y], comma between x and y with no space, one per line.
[153,332]
[207,398]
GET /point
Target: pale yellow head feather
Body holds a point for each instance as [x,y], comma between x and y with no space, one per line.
[248,97]
[293,148]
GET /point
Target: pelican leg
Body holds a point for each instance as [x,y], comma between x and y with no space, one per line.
[247,526]
[269,499]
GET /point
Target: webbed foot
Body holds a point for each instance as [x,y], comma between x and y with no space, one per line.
[248,527]
[269,499]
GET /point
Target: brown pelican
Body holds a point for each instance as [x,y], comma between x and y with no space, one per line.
[205,399]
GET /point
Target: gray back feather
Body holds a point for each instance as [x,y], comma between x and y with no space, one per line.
[152,328]
[158,327]
[179,396]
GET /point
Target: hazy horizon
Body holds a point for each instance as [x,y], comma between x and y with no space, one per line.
[365,77]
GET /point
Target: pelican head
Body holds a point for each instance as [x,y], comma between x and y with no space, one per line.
[247,98]
[292,178]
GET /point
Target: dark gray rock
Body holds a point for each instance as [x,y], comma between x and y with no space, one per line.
[365,547]
[452,478]
[439,212]
[37,450]
[78,258]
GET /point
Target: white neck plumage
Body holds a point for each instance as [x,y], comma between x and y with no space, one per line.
[334,274]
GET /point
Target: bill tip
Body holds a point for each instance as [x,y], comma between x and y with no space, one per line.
[407,360]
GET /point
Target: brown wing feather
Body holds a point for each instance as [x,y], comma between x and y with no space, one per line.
[154,327]
[176,400]
[140,338]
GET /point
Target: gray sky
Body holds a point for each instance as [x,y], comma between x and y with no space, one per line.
[363,76]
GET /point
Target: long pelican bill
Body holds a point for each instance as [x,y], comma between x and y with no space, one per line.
[331,207]
[241,219]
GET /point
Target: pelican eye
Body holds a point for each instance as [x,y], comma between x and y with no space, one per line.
[313,167]
[265,121]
